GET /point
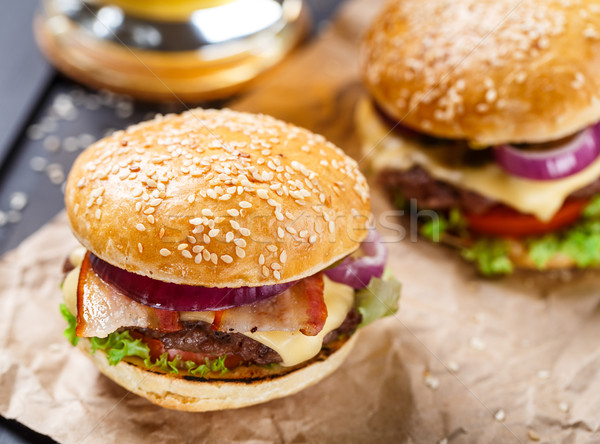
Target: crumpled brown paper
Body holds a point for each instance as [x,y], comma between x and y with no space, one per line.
[465,359]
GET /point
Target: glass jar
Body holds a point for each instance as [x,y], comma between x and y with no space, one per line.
[168,50]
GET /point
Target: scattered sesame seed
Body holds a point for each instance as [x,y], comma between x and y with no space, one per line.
[533,435]
[477,343]
[240,252]
[543,374]
[564,407]
[244,231]
[277,274]
[164,252]
[206,212]
[140,227]
[140,248]
[186,254]
[261,259]
[244,204]
[432,382]
[150,219]
[500,415]
[226,258]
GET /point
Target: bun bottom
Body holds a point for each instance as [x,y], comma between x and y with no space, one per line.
[197,395]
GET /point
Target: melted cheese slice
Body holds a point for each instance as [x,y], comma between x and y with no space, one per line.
[294,347]
[69,287]
[389,150]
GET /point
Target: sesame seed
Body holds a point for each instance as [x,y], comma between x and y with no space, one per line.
[182,246]
[226,258]
[245,231]
[138,206]
[98,214]
[206,255]
[233,212]
[196,221]
[240,243]
[214,232]
[244,204]
[197,248]
[140,248]
[291,230]
[240,252]
[164,252]
[149,210]
[261,259]
[191,239]
[206,239]
[265,271]
[234,225]
[214,258]
[262,193]
[140,227]
[276,266]
[277,275]
[206,212]
[272,248]
[313,239]
[155,202]
[191,198]
[186,254]
[150,219]
[280,232]
[161,233]
[283,257]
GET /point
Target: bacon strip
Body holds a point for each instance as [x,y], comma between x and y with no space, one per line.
[101,309]
[302,307]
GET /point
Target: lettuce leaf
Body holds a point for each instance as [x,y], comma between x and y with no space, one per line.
[580,242]
[119,345]
[379,298]
[69,332]
[490,256]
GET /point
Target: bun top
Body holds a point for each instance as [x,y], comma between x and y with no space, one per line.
[486,70]
[219,199]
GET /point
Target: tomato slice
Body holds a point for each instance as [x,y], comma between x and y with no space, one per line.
[504,221]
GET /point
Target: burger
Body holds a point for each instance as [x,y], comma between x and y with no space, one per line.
[484,115]
[226,259]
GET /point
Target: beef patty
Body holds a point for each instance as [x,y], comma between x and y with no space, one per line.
[198,337]
[416,183]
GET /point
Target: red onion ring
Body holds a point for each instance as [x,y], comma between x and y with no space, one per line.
[358,272]
[568,159]
[175,297]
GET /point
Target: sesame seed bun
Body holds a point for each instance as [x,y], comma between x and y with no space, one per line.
[487,71]
[197,395]
[218,199]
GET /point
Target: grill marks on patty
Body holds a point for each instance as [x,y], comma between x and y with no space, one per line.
[416,183]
